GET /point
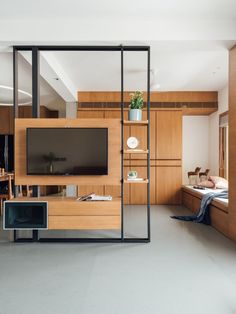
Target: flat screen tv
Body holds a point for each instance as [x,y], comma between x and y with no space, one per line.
[67,151]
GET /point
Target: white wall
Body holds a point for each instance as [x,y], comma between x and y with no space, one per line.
[71,113]
[214,131]
[195,144]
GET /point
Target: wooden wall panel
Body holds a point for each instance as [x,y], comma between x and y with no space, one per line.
[5,117]
[168,185]
[88,189]
[116,114]
[169,134]
[114,158]
[155,96]
[138,192]
[90,114]
[140,132]
[232,143]
[115,191]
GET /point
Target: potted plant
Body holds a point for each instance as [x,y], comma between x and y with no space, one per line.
[136,105]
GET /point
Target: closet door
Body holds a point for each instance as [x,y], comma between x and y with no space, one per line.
[168,185]
[169,134]
[168,156]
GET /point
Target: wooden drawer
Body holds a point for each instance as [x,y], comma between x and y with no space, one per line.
[83,222]
[74,208]
[196,203]
[191,202]
[187,200]
[219,220]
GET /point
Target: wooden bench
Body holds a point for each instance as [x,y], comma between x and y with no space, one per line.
[191,198]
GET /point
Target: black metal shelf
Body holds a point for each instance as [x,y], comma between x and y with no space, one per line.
[36,114]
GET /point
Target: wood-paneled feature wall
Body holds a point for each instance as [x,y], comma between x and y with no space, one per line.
[192,103]
[232,143]
[193,96]
[114,155]
[165,152]
[7,120]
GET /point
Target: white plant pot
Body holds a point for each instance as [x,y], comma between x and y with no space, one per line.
[135,114]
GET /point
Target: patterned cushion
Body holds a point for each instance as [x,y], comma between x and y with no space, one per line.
[219,182]
[207,184]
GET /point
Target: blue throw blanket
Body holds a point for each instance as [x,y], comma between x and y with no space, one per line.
[203,214]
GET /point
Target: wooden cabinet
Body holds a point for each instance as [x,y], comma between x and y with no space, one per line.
[169,134]
[168,156]
[168,184]
[165,155]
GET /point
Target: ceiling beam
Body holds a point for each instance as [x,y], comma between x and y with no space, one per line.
[55,75]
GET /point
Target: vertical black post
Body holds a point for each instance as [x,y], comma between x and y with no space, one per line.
[15,110]
[15,82]
[122,143]
[15,99]
[148,145]
[35,83]
[35,110]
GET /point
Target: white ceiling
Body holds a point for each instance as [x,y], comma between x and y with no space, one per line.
[132,9]
[178,66]
[189,42]
[48,96]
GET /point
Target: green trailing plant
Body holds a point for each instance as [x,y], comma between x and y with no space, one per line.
[136,100]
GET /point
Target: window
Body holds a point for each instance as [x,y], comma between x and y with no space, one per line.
[224,145]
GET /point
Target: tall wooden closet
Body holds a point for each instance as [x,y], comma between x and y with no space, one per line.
[166,156]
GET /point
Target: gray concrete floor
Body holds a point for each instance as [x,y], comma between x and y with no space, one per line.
[187,268]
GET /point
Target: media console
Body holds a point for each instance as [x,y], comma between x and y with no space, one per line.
[63,213]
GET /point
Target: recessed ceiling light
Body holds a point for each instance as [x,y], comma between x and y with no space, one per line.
[20,91]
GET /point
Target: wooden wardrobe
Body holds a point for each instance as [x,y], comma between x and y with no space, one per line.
[165,152]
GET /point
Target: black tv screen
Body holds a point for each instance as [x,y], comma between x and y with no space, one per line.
[67,151]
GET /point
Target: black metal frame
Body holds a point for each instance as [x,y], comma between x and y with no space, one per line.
[36,114]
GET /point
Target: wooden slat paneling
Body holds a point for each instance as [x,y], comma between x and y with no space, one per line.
[155,96]
[232,143]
